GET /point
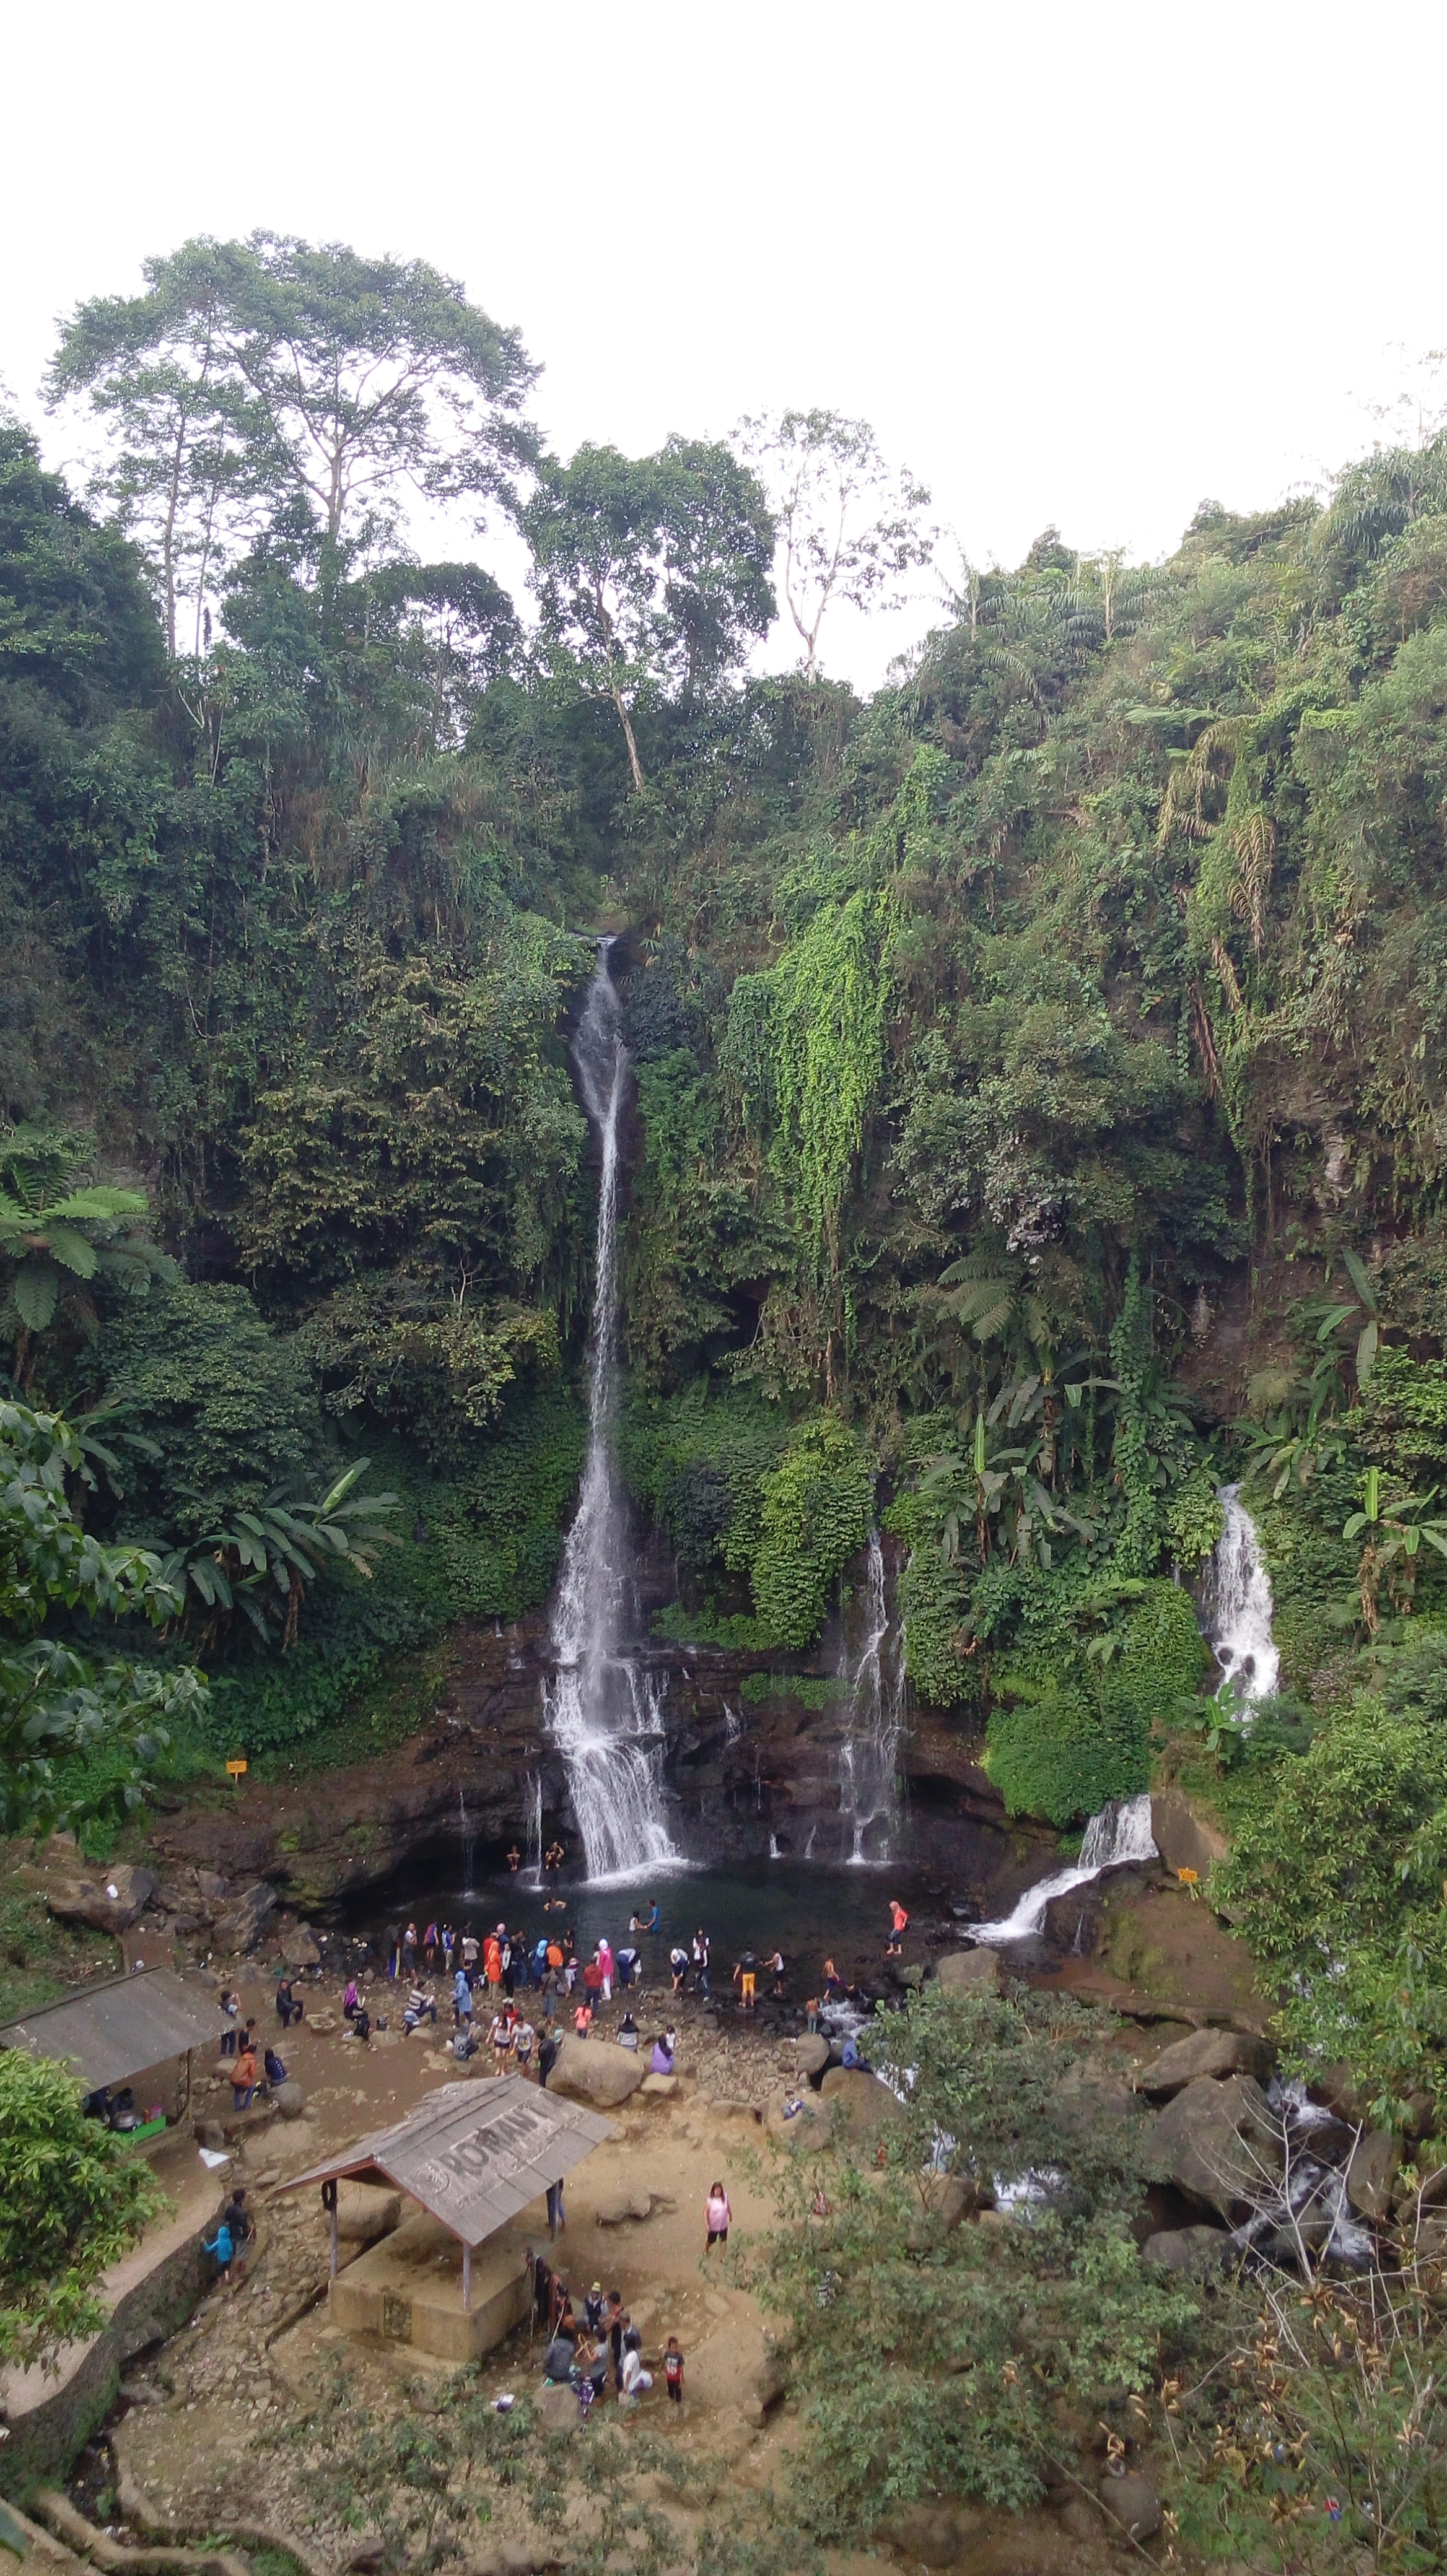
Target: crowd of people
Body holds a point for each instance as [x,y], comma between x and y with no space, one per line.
[593,2342]
[493,1976]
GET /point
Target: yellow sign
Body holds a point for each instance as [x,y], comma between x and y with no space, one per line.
[235,1769]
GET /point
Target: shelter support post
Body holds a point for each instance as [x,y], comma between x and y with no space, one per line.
[329,2204]
[466,2279]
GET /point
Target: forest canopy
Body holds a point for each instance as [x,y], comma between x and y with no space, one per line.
[1040,1068]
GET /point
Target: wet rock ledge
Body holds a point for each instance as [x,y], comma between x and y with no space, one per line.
[742,1771]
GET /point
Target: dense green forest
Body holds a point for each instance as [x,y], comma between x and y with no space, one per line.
[1040,1081]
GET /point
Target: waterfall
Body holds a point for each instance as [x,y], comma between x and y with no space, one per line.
[873,1724]
[534,1869]
[604,1715]
[1235,1608]
[1121,1832]
[469,1843]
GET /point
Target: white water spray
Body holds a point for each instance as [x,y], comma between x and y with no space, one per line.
[868,1785]
[1236,1606]
[1121,1832]
[603,1713]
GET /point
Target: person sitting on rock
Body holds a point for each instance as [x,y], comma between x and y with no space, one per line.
[288,2005]
[463,2044]
[661,2062]
[852,2058]
[351,2001]
[562,2352]
[275,2071]
[627,2032]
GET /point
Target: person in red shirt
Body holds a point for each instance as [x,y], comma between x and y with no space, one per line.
[898,1919]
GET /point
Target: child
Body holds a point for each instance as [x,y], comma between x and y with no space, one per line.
[593,2309]
[811,2013]
[583,2018]
[673,2371]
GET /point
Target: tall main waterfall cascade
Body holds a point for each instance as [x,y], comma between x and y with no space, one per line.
[1236,1606]
[874,1679]
[603,1713]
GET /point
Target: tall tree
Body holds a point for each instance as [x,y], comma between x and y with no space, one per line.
[273,383]
[851,526]
[650,568]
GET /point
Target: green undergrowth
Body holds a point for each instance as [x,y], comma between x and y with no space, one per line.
[40,1958]
[806,1690]
[1080,1691]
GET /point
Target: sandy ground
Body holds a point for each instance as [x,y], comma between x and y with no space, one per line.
[255,2356]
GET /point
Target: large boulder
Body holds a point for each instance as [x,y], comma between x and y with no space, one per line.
[811,2053]
[239,1927]
[590,2070]
[806,2124]
[1186,2249]
[944,2199]
[290,2099]
[109,1901]
[1184,1839]
[365,2212]
[659,2088]
[859,2101]
[1376,2158]
[1205,2052]
[1219,2144]
[1131,2501]
[969,1971]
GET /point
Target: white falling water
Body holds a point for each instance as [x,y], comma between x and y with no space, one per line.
[868,1787]
[602,1712]
[1236,1608]
[1121,1832]
[533,1871]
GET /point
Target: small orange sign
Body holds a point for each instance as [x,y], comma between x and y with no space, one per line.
[235,1769]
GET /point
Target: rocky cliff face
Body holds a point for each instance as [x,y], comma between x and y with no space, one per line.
[742,1771]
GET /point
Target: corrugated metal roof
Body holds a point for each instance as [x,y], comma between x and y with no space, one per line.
[117,2027]
[474,2154]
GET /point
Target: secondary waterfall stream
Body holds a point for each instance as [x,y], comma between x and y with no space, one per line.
[1236,1608]
[601,1709]
[868,1757]
[1121,1832]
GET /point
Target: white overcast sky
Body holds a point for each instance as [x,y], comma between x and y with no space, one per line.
[1075,263]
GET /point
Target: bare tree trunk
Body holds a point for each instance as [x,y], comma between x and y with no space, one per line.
[634,762]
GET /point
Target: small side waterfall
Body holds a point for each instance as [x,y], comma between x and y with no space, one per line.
[1236,1607]
[1121,1832]
[868,1787]
[603,1713]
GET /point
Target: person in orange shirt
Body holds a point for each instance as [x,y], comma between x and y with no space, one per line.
[243,2082]
[898,1918]
[492,1965]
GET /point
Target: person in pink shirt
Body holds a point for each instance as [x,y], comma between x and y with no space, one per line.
[716,2213]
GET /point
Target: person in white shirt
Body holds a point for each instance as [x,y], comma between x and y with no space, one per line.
[636,2380]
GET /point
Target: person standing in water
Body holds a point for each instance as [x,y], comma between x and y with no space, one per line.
[898,1918]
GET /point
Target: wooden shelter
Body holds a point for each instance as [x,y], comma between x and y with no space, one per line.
[474,2156]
